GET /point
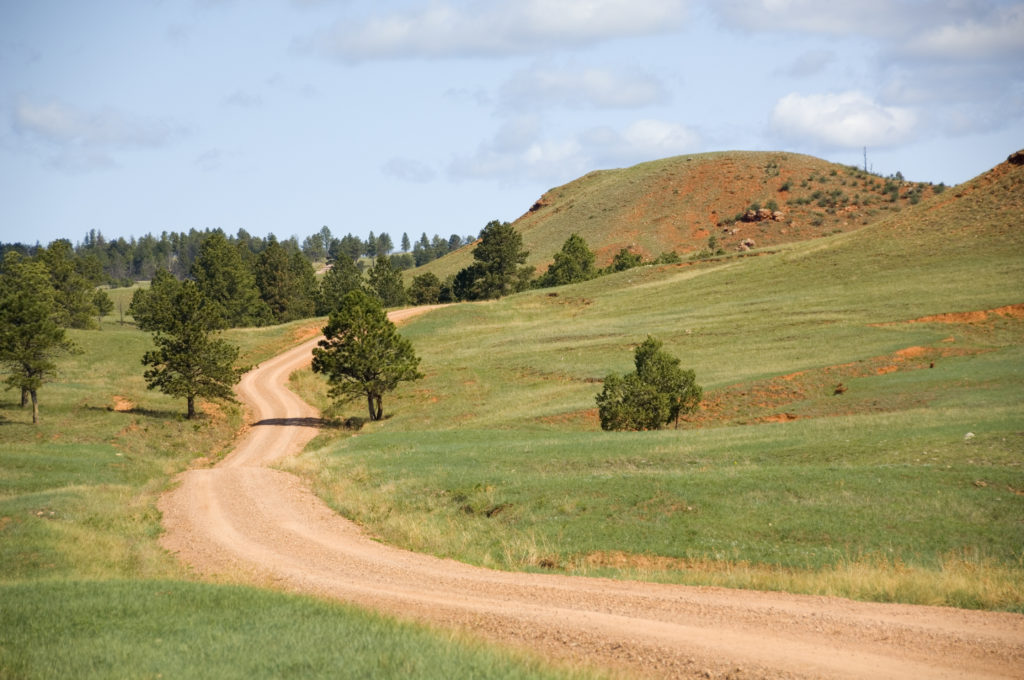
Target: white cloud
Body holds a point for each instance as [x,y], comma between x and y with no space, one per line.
[62,124]
[864,17]
[76,141]
[575,87]
[446,29]
[408,170]
[999,34]
[845,120]
[560,160]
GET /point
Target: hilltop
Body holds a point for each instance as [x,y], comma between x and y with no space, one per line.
[743,198]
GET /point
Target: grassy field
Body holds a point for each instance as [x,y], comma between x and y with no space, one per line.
[862,435]
[849,444]
[86,591]
[153,629]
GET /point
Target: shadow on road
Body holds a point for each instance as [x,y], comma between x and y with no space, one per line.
[299,422]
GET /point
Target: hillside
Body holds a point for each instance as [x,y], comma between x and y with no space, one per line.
[839,373]
[677,203]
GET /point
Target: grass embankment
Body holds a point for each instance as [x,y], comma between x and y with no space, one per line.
[833,454]
[154,629]
[84,590]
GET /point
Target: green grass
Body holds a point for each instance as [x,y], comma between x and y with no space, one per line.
[496,456]
[119,629]
[85,588]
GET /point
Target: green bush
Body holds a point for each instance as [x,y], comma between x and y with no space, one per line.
[653,395]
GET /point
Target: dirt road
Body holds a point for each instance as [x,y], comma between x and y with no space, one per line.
[245,521]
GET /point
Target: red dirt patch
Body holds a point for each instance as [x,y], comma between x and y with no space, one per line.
[214,410]
[771,400]
[1009,311]
[122,404]
[778,418]
[306,332]
[911,352]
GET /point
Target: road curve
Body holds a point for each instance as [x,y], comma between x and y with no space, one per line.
[243,521]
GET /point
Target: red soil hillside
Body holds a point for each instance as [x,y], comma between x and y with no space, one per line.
[678,203]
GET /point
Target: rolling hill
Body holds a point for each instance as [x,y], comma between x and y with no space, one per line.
[678,203]
[839,373]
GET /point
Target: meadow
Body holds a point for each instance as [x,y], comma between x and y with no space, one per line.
[861,435]
[86,591]
[848,445]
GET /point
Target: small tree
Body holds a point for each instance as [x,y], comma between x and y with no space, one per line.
[425,289]
[573,263]
[656,393]
[104,305]
[30,336]
[362,353]
[342,278]
[385,281]
[73,293]
[625,259]
[188,360]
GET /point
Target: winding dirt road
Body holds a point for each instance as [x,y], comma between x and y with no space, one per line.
[243,521]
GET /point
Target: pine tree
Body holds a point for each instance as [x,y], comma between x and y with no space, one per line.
[30,336]
[286,283]
[385,282]
[73,292]
[224,278]
[573,263]
[496,270]
[362,353]
[342,278]
[425,289]
[189,360]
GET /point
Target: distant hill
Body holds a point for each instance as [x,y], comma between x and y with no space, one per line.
[678,203]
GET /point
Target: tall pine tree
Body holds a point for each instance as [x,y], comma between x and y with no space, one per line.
[189,360]
[225,279]
[31,338]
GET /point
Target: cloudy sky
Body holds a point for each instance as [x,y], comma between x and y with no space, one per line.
[140,116]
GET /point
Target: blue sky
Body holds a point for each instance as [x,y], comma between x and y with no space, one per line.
[143,116]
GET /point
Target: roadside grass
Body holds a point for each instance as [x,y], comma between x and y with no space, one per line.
[122,629]
[85,588]
[78,492]
[868,486]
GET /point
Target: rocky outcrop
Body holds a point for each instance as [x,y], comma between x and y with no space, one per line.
[764,215]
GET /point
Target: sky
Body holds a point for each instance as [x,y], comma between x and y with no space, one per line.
[436,116]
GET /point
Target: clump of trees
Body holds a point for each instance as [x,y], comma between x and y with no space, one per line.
[653,395]
[363,355]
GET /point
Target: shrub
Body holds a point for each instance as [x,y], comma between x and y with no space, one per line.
[625,259]
[653,395]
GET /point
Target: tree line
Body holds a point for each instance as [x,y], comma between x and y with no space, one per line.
[237,282]
[120,261]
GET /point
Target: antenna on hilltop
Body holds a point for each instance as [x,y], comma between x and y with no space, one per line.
[865,159]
